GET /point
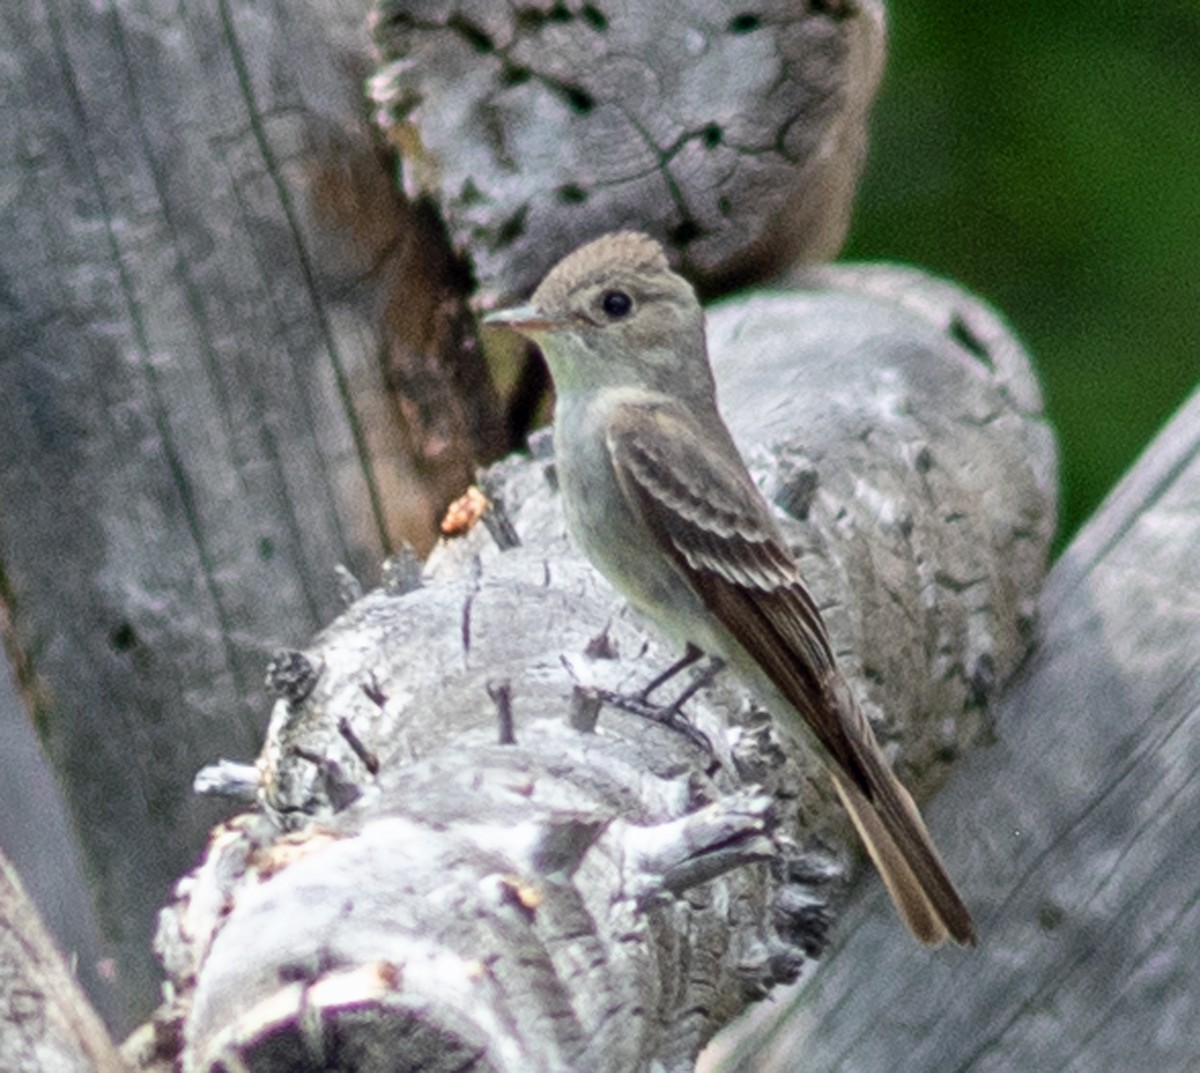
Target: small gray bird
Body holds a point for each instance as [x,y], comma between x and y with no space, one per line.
[658,497]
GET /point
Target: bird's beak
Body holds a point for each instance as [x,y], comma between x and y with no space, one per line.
[527,319]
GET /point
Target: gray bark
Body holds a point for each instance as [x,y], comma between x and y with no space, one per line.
[733,135]
[228,364]
[604,895]
[1077,829]
[46,1023]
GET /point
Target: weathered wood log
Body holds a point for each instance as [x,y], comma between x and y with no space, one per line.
[735,136]
[469,855]
[40,846]
[47,1024]
[232,358]
[1075,830]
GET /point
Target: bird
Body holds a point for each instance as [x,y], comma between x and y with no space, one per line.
[657,496]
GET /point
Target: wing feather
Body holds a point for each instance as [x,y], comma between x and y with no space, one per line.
[713,523]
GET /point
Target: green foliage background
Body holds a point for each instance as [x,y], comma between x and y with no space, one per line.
[1048,157]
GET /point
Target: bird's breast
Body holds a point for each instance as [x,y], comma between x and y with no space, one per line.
[605,525]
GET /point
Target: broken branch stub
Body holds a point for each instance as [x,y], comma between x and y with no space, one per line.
[735,137]
[489,872]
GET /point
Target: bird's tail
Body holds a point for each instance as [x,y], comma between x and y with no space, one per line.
[899,844]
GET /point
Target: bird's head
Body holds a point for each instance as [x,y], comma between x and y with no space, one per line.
[614,314]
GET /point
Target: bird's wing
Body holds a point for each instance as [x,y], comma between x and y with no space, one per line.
[706,514]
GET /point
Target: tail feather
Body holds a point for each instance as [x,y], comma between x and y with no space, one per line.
[900,847]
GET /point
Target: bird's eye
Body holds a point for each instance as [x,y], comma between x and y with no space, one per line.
[616,304]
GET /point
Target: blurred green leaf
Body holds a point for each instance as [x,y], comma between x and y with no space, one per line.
[1048,157]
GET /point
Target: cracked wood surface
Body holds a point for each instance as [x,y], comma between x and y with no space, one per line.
[733,136]
[1077,827]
